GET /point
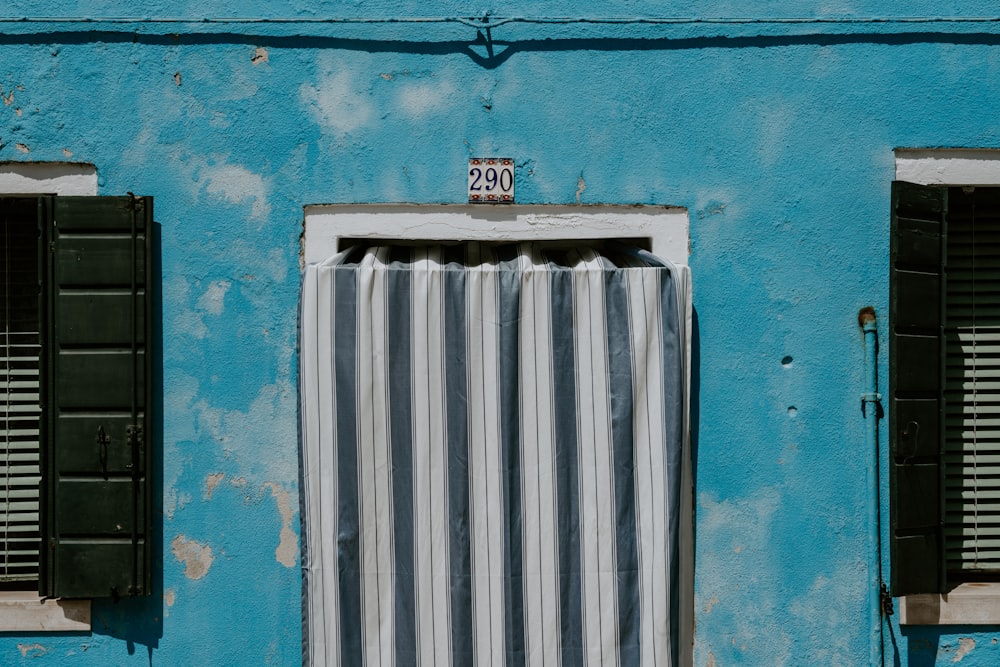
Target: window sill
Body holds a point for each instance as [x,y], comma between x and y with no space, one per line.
[26,612]
[968,604]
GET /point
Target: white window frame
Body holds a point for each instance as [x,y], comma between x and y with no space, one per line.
[970,603]
[26,611]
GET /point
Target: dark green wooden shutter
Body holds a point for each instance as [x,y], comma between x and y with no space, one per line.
[915,366]
[97,456]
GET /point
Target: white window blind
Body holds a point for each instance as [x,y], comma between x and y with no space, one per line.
[972,386]
[20,410]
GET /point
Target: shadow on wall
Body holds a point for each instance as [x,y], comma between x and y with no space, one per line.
[930,645]
[489,53]
[695,414]
[139,620]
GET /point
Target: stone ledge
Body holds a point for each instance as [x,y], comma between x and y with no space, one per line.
[968,604]
[27,612]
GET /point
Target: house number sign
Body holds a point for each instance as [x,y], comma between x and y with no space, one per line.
[491,180]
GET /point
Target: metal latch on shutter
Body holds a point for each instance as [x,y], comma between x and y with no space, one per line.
[134,435]
[103,440]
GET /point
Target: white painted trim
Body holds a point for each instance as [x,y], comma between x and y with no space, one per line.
[968,604]
[976,603]
[664,229]
[25,611]
[57,178]
[948,166]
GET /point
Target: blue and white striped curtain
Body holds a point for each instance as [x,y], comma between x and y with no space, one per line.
[491,453]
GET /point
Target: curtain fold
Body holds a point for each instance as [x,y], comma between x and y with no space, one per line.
[491,455]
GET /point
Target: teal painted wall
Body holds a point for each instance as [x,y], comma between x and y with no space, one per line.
[777,138]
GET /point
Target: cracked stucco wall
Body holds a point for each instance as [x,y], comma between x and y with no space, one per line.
[778,140]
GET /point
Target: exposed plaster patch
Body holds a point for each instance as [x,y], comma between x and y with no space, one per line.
[581,185]
[177,78]
[285,553]
[175,500]
[67,152]
[239,482]
[965,646]
[18,111]
[197,558]
[8,99]
[169,597]
[386,76]
[711,603]
[213,300]
[211,482]
[32,650]
[711,660]
[24,148]
[259,56]
[337,102]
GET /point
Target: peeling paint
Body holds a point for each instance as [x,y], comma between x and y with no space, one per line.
[237,185]
[24,148]
[712,208]
[337,102]
[711,603]
[417,100]
[965,646]
[212,301]
[9,99]
[177,78]
[239,482]
[67,152]
[32,650]
[711,660]
[211,482]
[197,558]
[581,185]
[287,543]
[259,56]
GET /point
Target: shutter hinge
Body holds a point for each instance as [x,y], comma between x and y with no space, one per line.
[886,600]
[134,434]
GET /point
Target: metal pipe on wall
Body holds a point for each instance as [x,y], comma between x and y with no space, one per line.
[871,408]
